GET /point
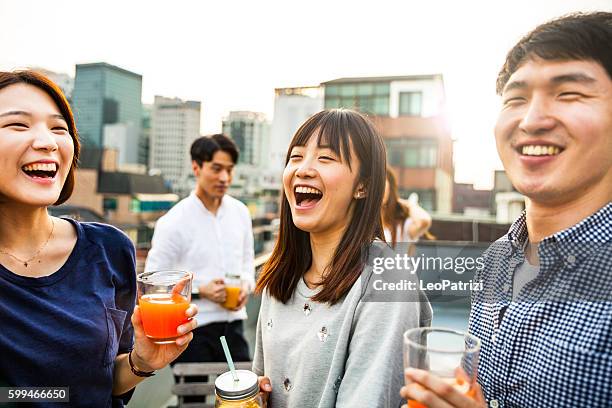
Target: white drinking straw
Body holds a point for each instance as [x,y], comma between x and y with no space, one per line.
[228,357]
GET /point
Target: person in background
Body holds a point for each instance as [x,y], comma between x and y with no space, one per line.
[210,234]
[67,288]
[545,315]
[403,220]
[322,341]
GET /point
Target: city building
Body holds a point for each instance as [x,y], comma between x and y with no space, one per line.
[251,133]
[120,137]
[131,202]
[506,202]
[471,202]
[175,124]
[145,135]
[292,106]
[408,111]
[105,95]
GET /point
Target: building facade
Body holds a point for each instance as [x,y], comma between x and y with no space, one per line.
[408,111]
[292,106]
[175,124]
[251,133]
[105,95]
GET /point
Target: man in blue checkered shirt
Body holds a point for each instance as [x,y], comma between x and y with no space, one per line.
[545,314]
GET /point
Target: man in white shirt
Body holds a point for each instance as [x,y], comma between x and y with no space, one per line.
[210,234]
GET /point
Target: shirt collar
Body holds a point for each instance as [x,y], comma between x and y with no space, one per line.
[595,227]
[220,211]
[578,240]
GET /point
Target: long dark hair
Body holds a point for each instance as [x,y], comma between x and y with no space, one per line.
[50,88]
[292,255]
[394,212]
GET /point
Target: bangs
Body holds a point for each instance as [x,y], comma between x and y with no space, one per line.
[332,130]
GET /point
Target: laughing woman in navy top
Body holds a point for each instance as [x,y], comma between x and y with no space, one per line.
[67,289]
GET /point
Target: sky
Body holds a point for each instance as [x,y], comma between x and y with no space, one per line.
[232,54]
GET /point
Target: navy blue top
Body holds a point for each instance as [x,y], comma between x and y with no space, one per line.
[66,329]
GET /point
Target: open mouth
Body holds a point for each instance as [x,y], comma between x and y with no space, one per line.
[307,196]
[40,170]
[539,150]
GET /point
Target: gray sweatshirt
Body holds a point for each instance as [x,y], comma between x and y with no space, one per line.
[345,355]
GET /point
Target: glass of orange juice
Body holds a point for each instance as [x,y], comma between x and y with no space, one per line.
[233,284]
[451,355]
[163,298]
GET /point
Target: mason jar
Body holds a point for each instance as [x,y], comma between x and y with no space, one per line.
[243,393]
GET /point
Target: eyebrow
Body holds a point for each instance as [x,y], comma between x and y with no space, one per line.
[576,77]
[24,113]
[222,165]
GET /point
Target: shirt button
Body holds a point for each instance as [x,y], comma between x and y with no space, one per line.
[506,287]
[494,404]
[571,259]
[494,337]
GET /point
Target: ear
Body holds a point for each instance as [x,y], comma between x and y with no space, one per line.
[360,192]
[195,168]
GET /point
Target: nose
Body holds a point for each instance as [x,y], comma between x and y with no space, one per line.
[44,139]
[224,176]
[305,169]
[538,118]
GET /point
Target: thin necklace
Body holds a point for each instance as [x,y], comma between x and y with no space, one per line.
[26,261]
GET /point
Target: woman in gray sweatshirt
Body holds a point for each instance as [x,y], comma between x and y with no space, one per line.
[325,338]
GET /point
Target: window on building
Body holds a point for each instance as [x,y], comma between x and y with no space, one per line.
[410,103]
[367,97]
[412,153]
[109,204]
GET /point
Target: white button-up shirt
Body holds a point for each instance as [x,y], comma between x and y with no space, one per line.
[191,238]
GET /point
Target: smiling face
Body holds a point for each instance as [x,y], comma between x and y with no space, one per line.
[36,149]
[554,132]
[320,187]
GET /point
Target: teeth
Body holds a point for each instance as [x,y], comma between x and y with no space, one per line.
[41,167]
[539,150]
[307,190]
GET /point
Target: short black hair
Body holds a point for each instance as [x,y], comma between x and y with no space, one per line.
[204,148]
[576,36]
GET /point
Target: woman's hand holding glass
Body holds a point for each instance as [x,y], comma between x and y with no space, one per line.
[148,355]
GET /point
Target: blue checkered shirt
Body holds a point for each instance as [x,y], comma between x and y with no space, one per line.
[552,345]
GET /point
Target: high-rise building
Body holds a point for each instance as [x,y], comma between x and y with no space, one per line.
[408,111]
[292,106]
[145,135]
[104,95]
[175,124]
[251,133]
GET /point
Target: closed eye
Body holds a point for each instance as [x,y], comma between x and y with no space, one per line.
[16,124]
[295,156]
[61,128]
[514,101]
[326,158]
[570,95]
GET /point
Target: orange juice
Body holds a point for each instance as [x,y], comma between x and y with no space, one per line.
[161,315]
[460,385]
[232,295]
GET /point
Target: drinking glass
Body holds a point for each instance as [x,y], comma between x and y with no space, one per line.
[233,284]
[451,355]
[163,298]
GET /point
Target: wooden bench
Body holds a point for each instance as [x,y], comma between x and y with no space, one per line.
[183,389]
